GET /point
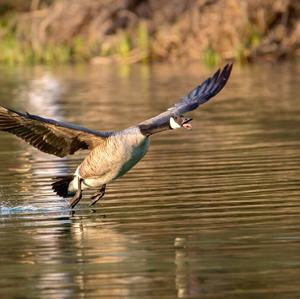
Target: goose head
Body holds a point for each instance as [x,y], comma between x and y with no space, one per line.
[179,121]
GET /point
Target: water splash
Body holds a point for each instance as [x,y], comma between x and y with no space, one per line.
[7,210]
[29,209]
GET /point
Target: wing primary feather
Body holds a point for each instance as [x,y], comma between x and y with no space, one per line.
[214,80]
[223,78]
[202,88]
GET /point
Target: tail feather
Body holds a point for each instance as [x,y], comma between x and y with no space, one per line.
[61,185]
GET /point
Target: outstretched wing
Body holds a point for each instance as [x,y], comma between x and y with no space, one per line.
[201,94]
[48,135]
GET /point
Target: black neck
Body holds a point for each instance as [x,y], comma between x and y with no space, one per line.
[149,129]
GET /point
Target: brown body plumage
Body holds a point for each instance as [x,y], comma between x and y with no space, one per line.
[112,158]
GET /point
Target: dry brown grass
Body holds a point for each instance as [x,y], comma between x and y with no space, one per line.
[141,30]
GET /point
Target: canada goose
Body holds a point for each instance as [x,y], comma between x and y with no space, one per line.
[111,154]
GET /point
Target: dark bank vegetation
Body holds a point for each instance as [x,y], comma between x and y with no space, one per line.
[55,31]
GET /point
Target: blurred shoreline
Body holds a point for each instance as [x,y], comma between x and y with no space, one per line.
[146,31]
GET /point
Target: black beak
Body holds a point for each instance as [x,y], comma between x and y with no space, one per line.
[186,120]
[186,123]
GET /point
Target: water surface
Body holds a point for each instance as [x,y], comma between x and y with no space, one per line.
[208,213]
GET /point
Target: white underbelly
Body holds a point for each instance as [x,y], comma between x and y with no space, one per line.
[94,183]
[90,183]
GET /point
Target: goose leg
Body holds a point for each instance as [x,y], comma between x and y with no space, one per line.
[75,200]
[96,197]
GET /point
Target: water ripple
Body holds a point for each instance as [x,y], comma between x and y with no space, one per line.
[212,213]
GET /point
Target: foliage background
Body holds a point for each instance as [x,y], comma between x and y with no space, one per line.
[51,31]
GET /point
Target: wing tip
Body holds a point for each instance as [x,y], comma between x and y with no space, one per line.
[228,68]
[226,71]
[223,77]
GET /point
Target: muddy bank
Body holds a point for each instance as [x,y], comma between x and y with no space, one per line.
[151,30]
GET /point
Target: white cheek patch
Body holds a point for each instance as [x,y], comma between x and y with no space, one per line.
[174,124]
